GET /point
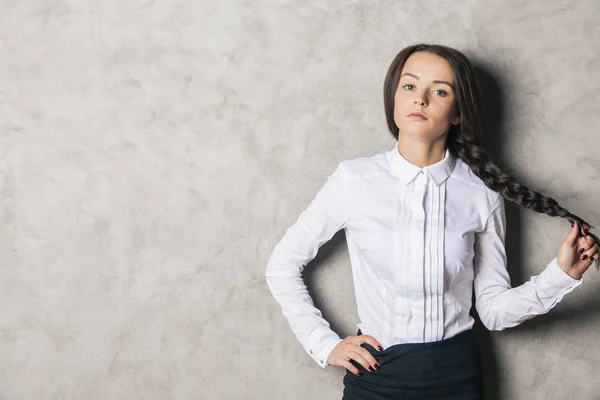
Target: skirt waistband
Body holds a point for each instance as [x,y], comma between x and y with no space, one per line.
[423,365]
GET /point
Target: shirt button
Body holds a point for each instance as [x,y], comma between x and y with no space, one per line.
[311,352]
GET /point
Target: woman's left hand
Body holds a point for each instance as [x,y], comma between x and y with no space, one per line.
[576,253]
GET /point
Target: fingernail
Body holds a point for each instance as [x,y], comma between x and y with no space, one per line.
[377,367]
[591,258]
[580,249]
[359,373]
[583,257]
[572,224]
[379,348]
[371,368]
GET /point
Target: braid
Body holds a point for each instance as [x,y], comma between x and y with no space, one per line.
[465,138]
[480,163]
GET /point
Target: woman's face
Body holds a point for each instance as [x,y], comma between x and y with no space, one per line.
[423,88]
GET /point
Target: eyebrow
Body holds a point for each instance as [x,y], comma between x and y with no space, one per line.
[437,81]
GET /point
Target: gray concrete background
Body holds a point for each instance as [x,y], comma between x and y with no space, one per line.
[153,152]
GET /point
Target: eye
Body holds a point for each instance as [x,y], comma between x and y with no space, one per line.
[443,93]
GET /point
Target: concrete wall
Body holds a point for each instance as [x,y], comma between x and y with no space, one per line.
[153,152]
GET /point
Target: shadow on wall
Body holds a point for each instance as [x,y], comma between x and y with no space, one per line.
[493,115]
[495,135]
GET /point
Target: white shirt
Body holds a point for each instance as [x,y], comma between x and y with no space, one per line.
[419,241]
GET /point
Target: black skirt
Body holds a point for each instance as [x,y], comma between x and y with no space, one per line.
[448,369]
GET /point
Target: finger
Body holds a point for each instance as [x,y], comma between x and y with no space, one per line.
[584,228]
[581,243]
[583,246]
[590,254]
[584,243]
[586,258]
[366,353]
[589,240]
[371,341]
[371,360]
[350,367]
[357,353]
[573,234]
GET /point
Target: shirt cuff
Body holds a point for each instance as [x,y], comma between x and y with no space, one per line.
[556,282]
[321,343]
[326,351]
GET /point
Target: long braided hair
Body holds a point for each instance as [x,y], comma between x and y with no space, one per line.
[464,139]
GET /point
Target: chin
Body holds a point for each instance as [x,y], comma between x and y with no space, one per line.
[415,132]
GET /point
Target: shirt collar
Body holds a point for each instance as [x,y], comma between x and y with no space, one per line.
[407,171]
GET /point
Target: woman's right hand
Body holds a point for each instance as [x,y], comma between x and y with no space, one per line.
[350,349]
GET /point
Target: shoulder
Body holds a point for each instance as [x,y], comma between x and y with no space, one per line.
[463,175]
[371,165]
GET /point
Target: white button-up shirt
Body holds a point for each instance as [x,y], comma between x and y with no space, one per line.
[419,241]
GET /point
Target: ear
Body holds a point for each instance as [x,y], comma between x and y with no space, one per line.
[456,120]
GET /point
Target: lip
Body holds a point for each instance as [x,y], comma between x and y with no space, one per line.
[417,116]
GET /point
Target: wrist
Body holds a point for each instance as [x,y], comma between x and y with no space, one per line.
[571,271]
[574,275]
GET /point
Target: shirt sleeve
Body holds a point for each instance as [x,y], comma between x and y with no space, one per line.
[325,215]
[499,306]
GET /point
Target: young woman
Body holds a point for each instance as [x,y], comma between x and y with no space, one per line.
[425,226]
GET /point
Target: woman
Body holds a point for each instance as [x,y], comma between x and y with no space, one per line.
[425,226]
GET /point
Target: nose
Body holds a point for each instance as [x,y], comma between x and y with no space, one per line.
[420,98]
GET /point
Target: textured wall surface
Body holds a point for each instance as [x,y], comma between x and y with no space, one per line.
[153,152]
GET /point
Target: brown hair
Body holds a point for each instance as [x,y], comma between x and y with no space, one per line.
[464,140]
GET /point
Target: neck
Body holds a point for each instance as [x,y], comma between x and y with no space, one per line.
[421,153]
